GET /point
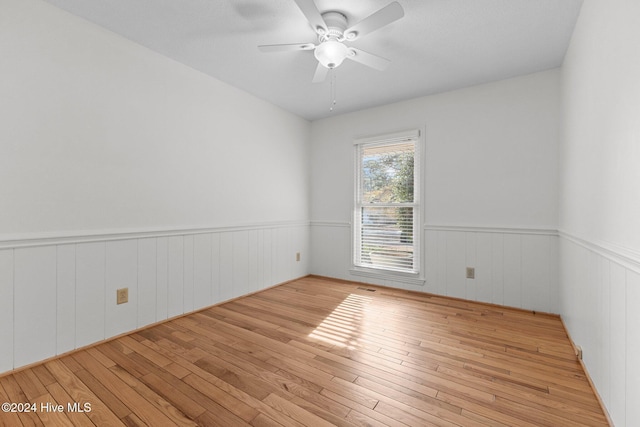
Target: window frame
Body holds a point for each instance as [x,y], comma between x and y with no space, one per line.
[399,138]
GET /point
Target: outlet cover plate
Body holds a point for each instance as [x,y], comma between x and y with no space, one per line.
[122,295]
[471,273]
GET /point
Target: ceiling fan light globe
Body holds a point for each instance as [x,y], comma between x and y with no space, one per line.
[331,53]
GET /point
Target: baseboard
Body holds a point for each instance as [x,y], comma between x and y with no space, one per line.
[577,352]
[432,295]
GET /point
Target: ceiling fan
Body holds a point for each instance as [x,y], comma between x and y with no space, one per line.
[333,30]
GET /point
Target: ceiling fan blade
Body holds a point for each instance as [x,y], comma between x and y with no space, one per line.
[311,12]
[286,47]
[321,73]
[370,60]
[388,14]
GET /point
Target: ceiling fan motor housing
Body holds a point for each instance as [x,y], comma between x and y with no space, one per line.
[336,24]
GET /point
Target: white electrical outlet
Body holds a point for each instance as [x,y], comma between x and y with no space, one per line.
[471,273]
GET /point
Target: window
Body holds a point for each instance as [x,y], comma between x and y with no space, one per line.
[386,232]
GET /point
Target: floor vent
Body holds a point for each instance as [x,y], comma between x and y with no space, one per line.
[366,289]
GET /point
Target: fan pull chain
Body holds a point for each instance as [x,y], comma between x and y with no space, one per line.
[332,77]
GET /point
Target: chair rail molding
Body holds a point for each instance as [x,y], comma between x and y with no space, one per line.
[485,229]
[627,257]
[8,241]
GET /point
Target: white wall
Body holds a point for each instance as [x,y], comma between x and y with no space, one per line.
[99,133]
[490,189]
[491,153]
[599,203]
[122,168]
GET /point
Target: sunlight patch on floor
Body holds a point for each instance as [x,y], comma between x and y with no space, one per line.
[343,325]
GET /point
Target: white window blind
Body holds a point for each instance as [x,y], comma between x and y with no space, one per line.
[386,214]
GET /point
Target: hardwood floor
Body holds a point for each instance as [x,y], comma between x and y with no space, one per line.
[318,352]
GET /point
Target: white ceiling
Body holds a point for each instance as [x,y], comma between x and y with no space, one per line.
[439,45]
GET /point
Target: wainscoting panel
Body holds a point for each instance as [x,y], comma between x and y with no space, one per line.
[472,259]
[280,242]
[618,313]
[456,262]
[252,273]
[162,278]
[226,266]
[187,279]
[484,263]
[513,267]
[202,272]
[497,264]
[6,309]
[268,259]
[216,260]
[264,264]
[66,298]
[512,270]
[599,301]
[240,264]
[632,340]
[147,279]
[121,272]
[90,293]
[35,316]
[59,294]
[175,275]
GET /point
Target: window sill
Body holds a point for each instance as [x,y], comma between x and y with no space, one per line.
[396,276]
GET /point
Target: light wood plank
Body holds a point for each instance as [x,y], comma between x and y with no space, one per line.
[103,409]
